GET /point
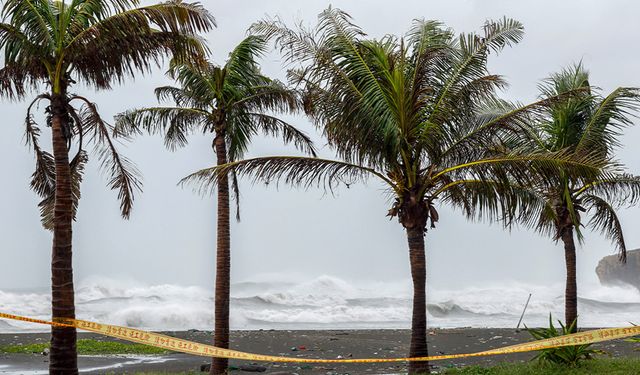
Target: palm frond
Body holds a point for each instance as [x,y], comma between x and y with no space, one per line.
[33,18]
[291,44]
[617,189]
[175,123]
[112,63]
[430,45]
[47,204]
[124,177]
[605,220]
[499,34]
[17,46]
[609,117]
[269,96]
[85,12]
[309,48]
[138,39]
[527,169]
[44,177]
[203,84]
[16,79]
[506,202]
[360,61]
[304,172]
[242,62]
[471,62]
[173,16]
[499,122]
[179,96]
[276,127]
[235,187]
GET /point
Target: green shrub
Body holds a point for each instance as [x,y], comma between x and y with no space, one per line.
[566,355]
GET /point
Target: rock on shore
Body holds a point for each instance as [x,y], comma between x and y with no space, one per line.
[613,272]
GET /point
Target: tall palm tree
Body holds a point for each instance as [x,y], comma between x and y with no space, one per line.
[51,45]
[420,114]
[586,123]
[234,103]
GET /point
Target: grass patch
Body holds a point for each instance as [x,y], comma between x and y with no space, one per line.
[609,366]
[89,347]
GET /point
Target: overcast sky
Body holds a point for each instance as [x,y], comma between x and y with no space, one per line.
[171,235]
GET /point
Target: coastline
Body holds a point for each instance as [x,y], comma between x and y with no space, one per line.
[378,343]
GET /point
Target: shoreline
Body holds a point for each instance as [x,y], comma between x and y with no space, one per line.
[379,343]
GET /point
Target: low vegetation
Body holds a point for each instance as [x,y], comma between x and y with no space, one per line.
[609,366]
[564,355]
[617,366]
[88,347]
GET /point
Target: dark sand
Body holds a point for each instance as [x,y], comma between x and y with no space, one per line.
[318,344]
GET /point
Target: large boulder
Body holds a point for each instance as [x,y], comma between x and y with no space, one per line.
[613,272]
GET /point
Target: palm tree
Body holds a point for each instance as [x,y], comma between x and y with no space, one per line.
[420,114]
[233,103]
[586,123]
[52,45]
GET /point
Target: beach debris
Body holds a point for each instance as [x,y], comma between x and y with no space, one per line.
[294,349]
[253,368]
[45,352]
[302,347]
[523,311]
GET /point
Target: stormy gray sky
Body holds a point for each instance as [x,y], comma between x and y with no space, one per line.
[301,234]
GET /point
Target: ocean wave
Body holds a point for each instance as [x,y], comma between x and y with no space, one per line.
[323,302]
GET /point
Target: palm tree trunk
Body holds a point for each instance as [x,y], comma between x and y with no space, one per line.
[223,261]
[63,356]
[415,236]
[571,291]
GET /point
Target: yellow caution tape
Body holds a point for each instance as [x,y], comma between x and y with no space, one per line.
[190,347]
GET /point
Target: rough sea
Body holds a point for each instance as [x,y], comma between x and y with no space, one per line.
[325,302]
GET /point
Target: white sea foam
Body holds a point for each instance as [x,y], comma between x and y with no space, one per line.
[323,302]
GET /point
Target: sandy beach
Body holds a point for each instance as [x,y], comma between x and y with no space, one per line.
[307,344]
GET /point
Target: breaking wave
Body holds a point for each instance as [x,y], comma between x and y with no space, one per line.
[323,303]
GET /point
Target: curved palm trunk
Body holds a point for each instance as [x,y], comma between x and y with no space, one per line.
[417,258]
[63,356]
[571,290]
[223,262]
